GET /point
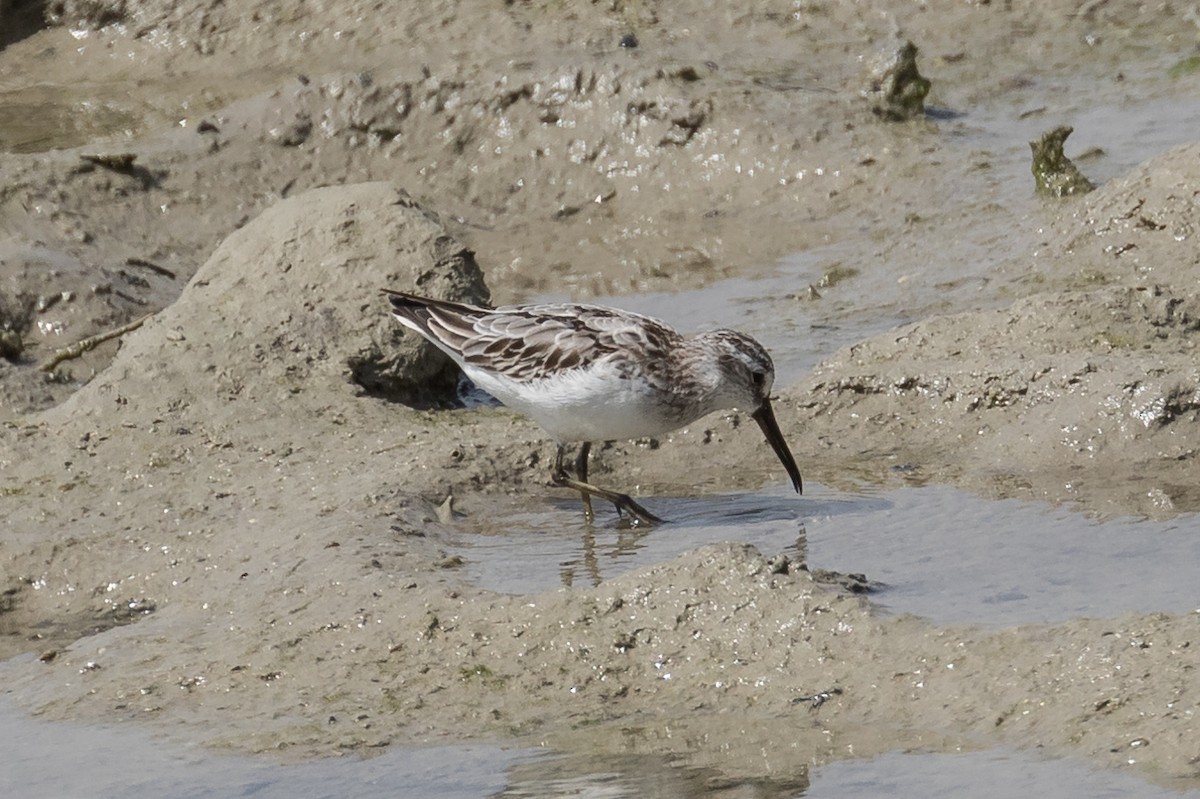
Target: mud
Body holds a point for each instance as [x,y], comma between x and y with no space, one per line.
[226,525]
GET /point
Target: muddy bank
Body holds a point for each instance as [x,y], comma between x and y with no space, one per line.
[269,528]
[570,163]
[226,526]
[1086,391]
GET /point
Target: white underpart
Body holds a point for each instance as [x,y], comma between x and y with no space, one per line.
[592,404]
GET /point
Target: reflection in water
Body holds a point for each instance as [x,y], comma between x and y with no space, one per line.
[51,759]
[627,543]
[41,118]
[527,551]
[987,774]
[630,541]
[621,776]
[990,774]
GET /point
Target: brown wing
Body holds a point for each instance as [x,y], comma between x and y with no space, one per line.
[535,341]
[532,341]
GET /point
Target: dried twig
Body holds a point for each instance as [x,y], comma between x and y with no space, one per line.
[117,162]
[153,267]
[90,343]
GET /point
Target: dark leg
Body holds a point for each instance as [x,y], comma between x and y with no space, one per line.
[581,470]
[623,502]
[581,461]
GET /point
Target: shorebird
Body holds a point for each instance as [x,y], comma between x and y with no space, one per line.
[589,373]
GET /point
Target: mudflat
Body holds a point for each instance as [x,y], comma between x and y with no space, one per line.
[231,517]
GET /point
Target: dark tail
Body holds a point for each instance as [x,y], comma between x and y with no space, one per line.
[403,302]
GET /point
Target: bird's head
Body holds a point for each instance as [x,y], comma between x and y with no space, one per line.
[747,376]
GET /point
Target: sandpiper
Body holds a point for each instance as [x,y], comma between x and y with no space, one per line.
[589,373]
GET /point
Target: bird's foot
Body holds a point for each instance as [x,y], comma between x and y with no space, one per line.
[638,516]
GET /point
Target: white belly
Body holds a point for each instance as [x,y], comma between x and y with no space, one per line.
[586,404]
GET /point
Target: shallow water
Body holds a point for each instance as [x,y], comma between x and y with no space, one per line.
[993,774]
[937,552]
[126,761]
[956,558]
[43,117]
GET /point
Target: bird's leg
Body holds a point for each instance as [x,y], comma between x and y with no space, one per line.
[623,502]
[581,470]
[581,461]
[560,477]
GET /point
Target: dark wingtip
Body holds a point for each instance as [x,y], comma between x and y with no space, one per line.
[399,299]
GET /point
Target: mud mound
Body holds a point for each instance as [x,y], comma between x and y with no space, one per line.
[220,407]
[1084,395]
[1091,393]
[1139,229]
[291,303]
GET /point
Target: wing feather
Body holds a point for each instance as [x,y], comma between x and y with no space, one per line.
[532,342]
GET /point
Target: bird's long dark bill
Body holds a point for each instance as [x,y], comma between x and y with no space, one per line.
[766,420]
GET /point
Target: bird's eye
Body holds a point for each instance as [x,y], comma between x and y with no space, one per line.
[759,378]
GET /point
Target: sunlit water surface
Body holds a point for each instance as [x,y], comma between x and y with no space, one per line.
[54,760]
[935,551]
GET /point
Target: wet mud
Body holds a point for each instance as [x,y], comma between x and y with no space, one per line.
[230,521]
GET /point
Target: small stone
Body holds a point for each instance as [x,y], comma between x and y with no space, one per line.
[896,88]
[1054,174]
[445,511]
